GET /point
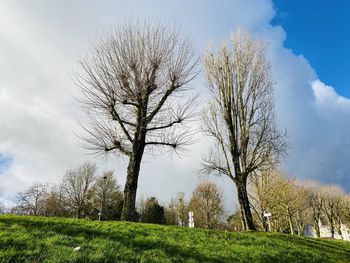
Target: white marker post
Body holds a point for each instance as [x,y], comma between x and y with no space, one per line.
[190,219]
[268,215]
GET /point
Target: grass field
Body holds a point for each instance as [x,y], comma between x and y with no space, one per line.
[39,239]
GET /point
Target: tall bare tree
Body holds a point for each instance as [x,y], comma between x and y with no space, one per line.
[76,187]
[241,116]
[133,88]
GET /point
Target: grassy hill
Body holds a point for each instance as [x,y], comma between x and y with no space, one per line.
[39,239]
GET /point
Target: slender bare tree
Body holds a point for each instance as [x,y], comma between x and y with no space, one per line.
[76,187]
[241,116]
[133,88]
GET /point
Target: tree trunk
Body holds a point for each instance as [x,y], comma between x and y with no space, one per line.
[338,226]
[290,225]
[332,229]
[243,221]
[129,211]
[317,226]
[78,215]
[244,203]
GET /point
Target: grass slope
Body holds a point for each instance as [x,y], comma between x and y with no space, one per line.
[39,239]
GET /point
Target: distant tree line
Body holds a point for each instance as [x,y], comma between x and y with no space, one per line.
[293,204]
[82,193]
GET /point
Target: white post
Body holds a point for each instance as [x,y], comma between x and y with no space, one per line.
[190,219]
[267,216]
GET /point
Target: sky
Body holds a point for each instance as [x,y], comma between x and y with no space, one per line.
[328,27]
[40,42]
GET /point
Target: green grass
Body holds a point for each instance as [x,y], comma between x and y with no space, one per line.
[39,239]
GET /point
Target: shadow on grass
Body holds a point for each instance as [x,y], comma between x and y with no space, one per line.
[127,238]
[140,240]
[336,248]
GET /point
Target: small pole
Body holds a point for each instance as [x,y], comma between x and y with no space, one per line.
[103,197]
[190,219]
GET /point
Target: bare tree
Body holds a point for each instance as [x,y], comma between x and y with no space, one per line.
[284,197]
[315,201]
[289,202]
[54,204]
[207,205]
[344,213]
[76,187]
[32,200]
[241,116]
[133,88]
[332,203]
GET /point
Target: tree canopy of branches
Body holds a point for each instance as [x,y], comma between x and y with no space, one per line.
[241,116]
[76,188]
[134,85]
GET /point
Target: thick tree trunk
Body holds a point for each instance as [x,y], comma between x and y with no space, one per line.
[244,222]
[244,203]
[317,229]
[129,211]
[332,229]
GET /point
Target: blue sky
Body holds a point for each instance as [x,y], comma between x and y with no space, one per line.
[40,41]
[5,162]
[320,30]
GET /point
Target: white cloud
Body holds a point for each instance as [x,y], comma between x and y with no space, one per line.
[327,97]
